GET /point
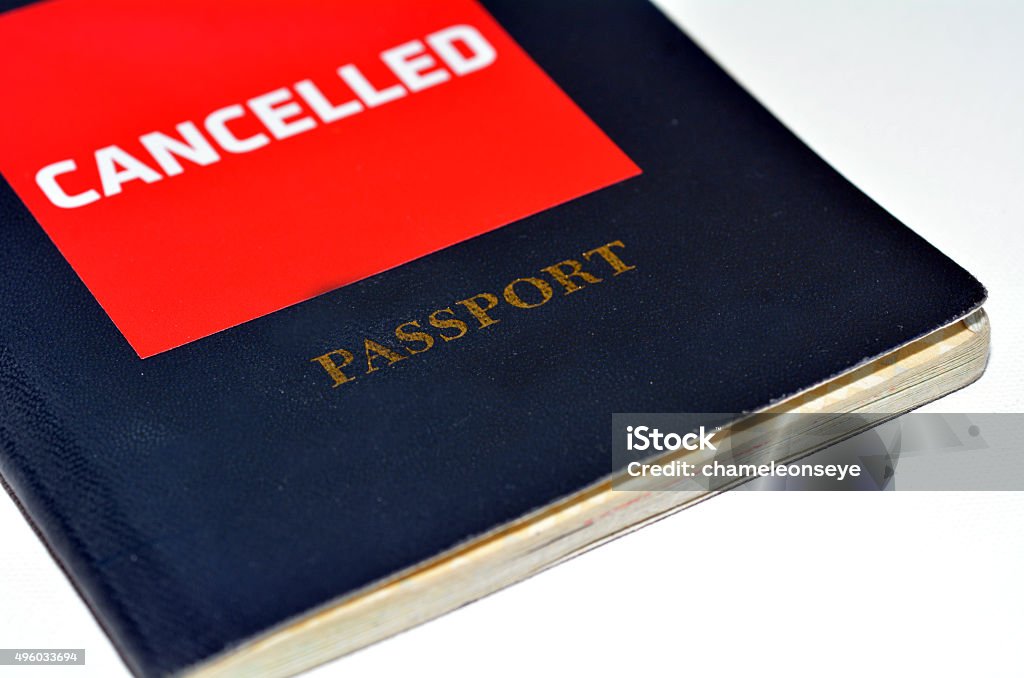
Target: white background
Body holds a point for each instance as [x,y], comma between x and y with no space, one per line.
[921,104]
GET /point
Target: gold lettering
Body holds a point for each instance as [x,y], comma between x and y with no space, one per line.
[566,279]
[545,291]
[416,339]
[479,312]
[375,350]
[428,341]
[605,251]
[454,323]
[334,369]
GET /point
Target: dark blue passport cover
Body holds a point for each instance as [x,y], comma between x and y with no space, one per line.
[214,491]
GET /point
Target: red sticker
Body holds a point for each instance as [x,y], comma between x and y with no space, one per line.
[201,164]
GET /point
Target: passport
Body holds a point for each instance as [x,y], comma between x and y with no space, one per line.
[315,332]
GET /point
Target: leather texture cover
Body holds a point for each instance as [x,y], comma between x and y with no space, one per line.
[211,492]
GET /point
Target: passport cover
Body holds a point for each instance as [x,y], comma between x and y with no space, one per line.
[216,490]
